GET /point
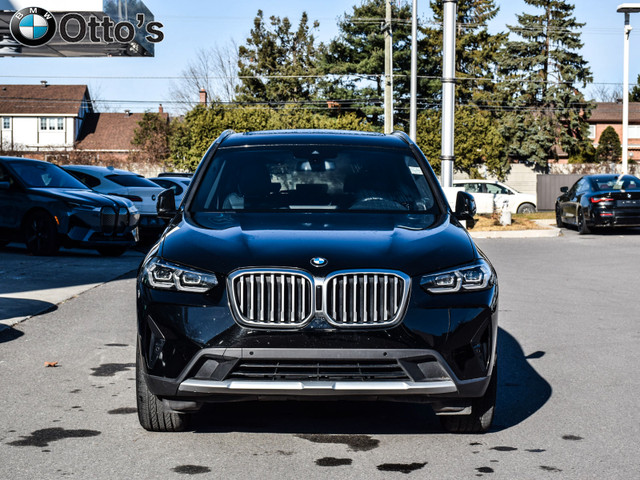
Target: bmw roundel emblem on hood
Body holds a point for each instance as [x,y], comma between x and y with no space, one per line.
[319,261]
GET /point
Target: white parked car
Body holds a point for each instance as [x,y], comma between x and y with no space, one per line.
[179,185]
[490,193]
[142,192]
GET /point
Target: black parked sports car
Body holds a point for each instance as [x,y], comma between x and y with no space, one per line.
[316,264]
[46,207]
[600,201]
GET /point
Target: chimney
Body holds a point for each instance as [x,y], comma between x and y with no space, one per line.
[127,113]
[160,109]
[203,97]
[43,83]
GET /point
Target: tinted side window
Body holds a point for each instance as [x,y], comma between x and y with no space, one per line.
[582,186]
[89,180]
[177,189]
[131,181]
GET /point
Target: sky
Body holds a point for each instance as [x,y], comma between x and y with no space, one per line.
[140,84]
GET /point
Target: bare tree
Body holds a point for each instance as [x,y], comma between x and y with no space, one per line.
[606,93]
[100,104]
[215,70]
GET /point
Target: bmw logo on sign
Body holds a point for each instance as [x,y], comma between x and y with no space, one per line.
[319,261]
[32,26]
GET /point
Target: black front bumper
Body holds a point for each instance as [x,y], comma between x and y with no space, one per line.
[193,350]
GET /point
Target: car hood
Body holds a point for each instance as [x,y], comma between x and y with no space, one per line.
[83,197]
[413,244]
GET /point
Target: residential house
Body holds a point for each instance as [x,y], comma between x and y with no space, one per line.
[610,114]
[42,118]
[57,123]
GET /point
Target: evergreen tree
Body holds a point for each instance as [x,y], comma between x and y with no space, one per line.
[152,138]
[278,63]
[478,141]
[634,95]
[356,56]
[541,73]
[476,52]
[609,147]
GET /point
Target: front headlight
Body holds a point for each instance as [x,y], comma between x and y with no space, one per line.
[82,206]
[477,276]
[164,275]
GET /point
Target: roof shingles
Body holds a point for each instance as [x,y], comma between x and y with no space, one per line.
[42,100]
[108,131]
[611,112]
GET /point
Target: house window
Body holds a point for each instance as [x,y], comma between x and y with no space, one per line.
[634,131]
[592,132]
[51,123]
[6,123]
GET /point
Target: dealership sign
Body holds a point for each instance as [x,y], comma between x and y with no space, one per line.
[70,28]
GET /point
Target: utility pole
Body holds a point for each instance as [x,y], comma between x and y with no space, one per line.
[413,113]
[388,71]
[448,90]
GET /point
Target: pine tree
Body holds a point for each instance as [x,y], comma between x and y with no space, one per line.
[609,147]
[541,73]
[634,95]
[278,64]
[356,56]
[476,52]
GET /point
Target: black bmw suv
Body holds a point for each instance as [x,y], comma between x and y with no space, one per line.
[316,264]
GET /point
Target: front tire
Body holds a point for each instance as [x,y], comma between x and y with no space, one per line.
[41,234]
[152,413]
[482,410]
[559,222]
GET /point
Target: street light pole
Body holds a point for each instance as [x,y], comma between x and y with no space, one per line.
[627,9]
[388,71]
[413,113]
[448,90]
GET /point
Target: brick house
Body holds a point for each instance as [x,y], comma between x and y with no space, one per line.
[610,114]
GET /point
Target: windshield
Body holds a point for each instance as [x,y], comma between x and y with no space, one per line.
[616,182]
[45,175]
[131,181]
[318,178]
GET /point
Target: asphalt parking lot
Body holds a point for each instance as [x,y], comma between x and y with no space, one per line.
[567,401]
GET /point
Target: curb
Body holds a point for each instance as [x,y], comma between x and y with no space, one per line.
[549,233]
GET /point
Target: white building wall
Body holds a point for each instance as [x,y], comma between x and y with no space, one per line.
[25,133]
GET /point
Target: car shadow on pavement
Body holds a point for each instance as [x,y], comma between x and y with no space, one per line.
[521,392]
[8,334]
[23,307]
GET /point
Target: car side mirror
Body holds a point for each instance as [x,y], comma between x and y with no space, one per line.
[166,205]
[564,189]
[5,186]
[465,208]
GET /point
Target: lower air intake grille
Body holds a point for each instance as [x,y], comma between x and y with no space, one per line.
[311,370]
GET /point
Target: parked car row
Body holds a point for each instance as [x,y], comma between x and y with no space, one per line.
[103,208]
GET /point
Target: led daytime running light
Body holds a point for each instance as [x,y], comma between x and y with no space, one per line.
[474,277]
[169,276]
